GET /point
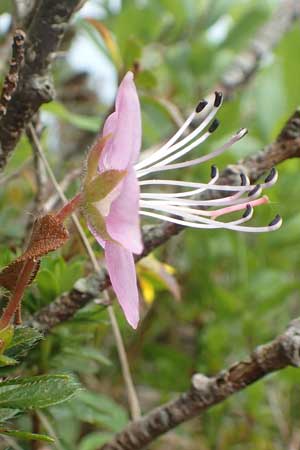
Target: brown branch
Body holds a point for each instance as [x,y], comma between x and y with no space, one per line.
[63,308]
[12,78]
[245,65]
[206,392]
[35,85]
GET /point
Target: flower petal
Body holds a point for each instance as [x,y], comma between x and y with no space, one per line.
[121,269]
[123,148]
[123,222]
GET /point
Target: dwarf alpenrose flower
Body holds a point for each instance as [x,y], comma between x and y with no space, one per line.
[113,201]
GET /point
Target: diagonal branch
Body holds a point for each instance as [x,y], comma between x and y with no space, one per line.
[35,85]
[245,65]
[206,392]
[64,307]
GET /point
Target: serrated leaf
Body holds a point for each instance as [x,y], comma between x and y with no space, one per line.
[23,340]
[98,188]
[26,436]
[36,392]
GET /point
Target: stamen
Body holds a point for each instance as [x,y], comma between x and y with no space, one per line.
[248,210]
[255,190]
[216,187]
[201,105]
[277,219]
[243,179]
[214,126]
[213,171]
[216,224]
[271,175]
[196,222]
[218,99]
[167,148]
[186,212]
[160,168]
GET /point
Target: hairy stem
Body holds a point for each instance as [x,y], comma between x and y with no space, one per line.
[15,300]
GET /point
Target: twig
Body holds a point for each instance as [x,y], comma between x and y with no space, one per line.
[4,180]
[206,392]
[132,396]
[52,201]
[35,85]
[64,307]
[245,65]
[12,78]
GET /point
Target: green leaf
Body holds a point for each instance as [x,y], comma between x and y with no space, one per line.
[26,436]
[37,392]
[94,440]
[89,353]
[83,122]
[23,340]
[100,410]
[98,188]
[6,361]
[7,413]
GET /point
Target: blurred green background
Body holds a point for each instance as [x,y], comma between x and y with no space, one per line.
[237,290]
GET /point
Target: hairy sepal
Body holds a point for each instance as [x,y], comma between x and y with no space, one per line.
[99,187]
[92,161]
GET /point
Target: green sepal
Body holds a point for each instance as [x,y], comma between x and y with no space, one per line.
[98,188]
[97,221]
[94,154]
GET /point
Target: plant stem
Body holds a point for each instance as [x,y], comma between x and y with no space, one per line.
[131,392]
[68,209]
[18,293]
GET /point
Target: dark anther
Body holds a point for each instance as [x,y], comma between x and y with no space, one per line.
[244,131]
[275,221]
[213,171]
[254,191]
[218,98]
[243,179]
[201,105]
[271,175]
[247,211]
[214,126]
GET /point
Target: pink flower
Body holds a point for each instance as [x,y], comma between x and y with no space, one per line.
[114,202]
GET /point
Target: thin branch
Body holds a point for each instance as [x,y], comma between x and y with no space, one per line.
[206,392]
[132,396]
[64,307]
[35,85]
[53,201]
[246,64]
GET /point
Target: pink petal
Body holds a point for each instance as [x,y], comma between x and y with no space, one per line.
[123,222]
[96,235]
[123,148]
[121,269]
